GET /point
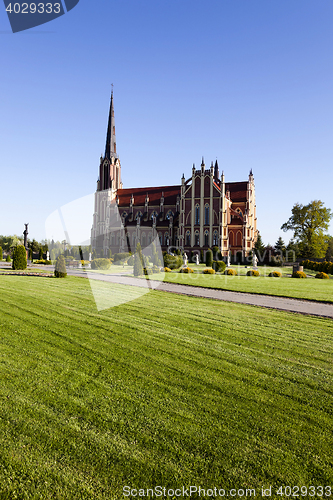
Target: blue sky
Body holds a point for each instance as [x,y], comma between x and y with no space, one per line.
[246,82]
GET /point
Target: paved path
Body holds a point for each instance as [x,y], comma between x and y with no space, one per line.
[282,303]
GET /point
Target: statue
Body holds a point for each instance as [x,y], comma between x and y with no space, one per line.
[197,259]
[228,261]
[89,256]
[255,261]
[25,234]
[47,255]
[185,259]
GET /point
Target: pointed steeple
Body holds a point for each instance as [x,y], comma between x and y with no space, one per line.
[110,148]
[216,171]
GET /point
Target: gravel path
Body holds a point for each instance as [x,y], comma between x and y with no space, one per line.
[281,303]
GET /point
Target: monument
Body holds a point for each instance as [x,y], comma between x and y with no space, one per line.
[25,234]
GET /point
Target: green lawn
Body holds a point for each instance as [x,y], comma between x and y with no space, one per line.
[166,390]
[309,288]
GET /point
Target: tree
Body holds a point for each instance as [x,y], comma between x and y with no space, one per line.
[138,261]
[60,267]
[19,257]
[259,247]
[308,222]
[280,245]
[329,251]
[1,253]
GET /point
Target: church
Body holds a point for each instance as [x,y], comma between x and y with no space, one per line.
[201,212]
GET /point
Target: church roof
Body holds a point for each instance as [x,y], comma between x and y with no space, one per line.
[238,190]
[154,193]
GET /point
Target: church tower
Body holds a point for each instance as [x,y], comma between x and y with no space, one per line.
[110,168]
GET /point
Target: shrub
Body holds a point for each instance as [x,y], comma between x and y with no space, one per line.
[219,266]
[298,274]
[172,261]
[147,270]
[121,256]
[322,276]
[167,270]
[156,269]
[253,272]
[275,274]
[1,255]
[19,257]
[138,260]
[100,264]
[230,272]
[8,259]
[186,270]
[60,267]
[44,262]
[208,271]
[209,258]
[130,261]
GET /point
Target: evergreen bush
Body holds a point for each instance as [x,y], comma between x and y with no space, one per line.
[8,259]
[230,272]
[172,261]
[130,261]
[219,266]
[275,274]
[253,272]
[298,274]
[1,255]
[60,267]
[209,258]
[322,276]
[208,271]
[19,258]
[138,261]
[101,264]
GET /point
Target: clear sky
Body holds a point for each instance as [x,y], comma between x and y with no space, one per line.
[248,82]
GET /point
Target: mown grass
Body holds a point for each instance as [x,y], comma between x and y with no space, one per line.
[309,289]
[167,390]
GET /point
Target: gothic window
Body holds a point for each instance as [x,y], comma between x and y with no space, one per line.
[138,215]
[206,239]
[133,240]
[154,214]
[197,214]
[118,239]
[124,215]
[166,238]
[143,239]
[197,239]
[206,214]
[238,210]
[188,238]
[149,238]
[169,214]
[112,239]
[160,238]
[215,239]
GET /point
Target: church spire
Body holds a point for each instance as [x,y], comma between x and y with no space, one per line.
[110,148]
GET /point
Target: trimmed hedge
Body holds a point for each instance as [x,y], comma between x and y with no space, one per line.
[121,256]
[219,266]
[298,274]
[324,267]
[230,272]
[253,272]
[208,271]
[44,262]
[209,258]
[60,267]
[100,264]
[322,276]
[186,270]
[19,258]
[275,274]
[8,259]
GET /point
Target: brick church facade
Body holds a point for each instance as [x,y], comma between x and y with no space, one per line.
[201,212]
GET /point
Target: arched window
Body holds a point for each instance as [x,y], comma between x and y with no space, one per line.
[197,214]
[154,214]
[206,214]
[197,239]
[143,239]
[124,215]
[112,239]
[138,215]
[166,238]
[149,238]
[239,239]
[215,239]
[118,239]
[188,238]
[169,214]
[160,238]
[133,240]
[206,238]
